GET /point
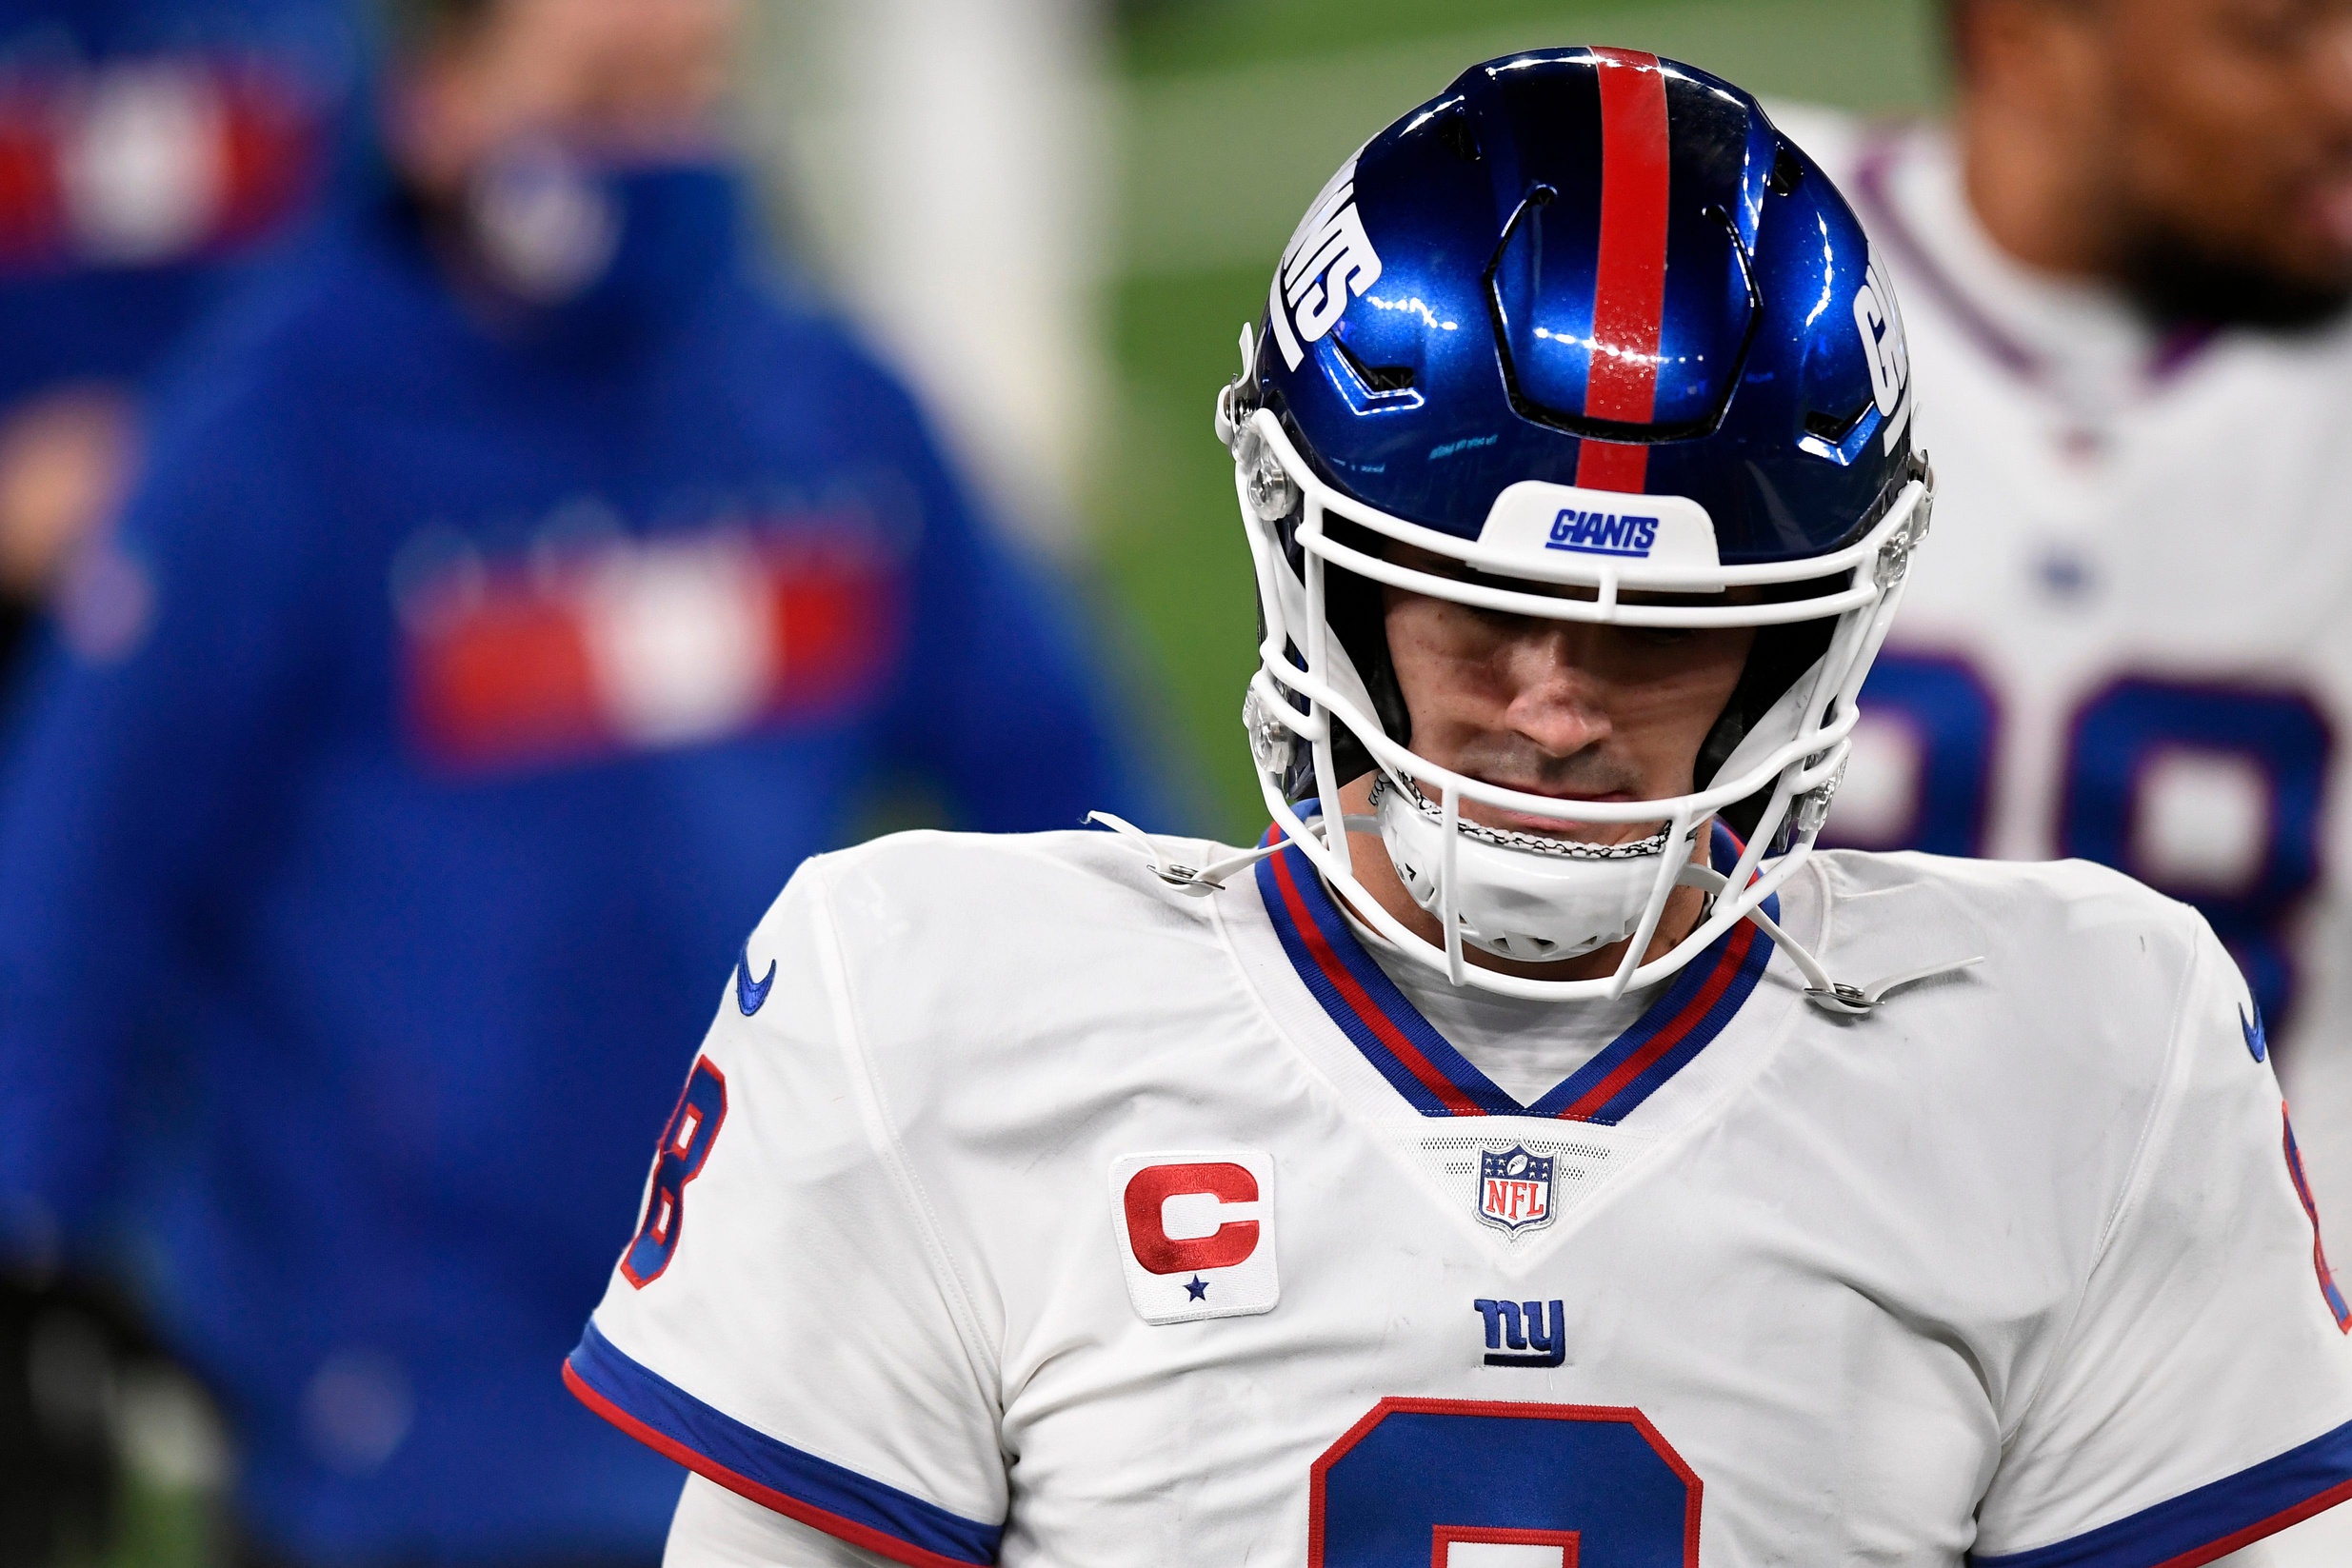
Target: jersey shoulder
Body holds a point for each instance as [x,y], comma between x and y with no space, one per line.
[2078,963]
[983,897]
[2072,917]
[997,990]
[2010,886]
[942,937]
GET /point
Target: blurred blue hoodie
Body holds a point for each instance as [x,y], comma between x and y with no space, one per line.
[468,673]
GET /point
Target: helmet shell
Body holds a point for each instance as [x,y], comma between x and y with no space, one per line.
[1596,268]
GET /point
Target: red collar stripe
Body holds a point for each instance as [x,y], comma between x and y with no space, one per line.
[1434,1077]
[1728,962]
[1374,1018]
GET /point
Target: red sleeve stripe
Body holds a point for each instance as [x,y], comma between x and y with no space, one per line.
[2329,1290]
[748,1462]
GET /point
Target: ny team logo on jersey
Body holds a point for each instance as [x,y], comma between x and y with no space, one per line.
[1532,1342]
[1514,1188]
[1196,1233]
[1329,262]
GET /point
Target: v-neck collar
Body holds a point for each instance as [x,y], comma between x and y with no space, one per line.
[1435,1079]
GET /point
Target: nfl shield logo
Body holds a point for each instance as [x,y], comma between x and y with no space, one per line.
[1514,1188]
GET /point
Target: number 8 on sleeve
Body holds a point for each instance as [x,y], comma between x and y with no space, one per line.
[686,1144]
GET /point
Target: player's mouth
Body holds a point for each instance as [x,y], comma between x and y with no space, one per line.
[1553,827]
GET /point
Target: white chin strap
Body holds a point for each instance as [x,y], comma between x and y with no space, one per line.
[1519,895]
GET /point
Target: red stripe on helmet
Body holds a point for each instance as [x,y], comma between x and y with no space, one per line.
[1629,276]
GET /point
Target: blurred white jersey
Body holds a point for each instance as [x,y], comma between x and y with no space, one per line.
[2130,636]
[1020,1208]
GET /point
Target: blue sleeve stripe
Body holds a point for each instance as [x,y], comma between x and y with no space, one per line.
[775,1475]
[2212,1522]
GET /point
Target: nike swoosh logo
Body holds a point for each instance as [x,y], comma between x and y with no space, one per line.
[750,994]
[2257,1041]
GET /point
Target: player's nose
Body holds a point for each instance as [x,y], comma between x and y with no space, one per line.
[1554,699]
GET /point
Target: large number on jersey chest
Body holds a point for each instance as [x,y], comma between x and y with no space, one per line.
[1478,1484]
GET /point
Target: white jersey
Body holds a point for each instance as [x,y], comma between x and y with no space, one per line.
[2129,636]
[1021,1209]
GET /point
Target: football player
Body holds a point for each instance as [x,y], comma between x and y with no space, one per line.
[2125,264]
[156,150]
[1533,1153]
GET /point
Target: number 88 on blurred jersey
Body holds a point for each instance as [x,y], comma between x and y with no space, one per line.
[2128,642]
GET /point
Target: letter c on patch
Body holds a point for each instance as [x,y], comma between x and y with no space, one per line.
[1149,1191]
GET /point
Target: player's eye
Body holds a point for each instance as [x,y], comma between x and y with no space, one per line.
[1503,622]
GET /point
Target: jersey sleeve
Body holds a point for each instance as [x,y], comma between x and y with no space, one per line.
[784,1320]
[714,1528]
[2200,1399]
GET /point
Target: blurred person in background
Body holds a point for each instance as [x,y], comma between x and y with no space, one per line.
[150,152]
[2125,264]
[508,602]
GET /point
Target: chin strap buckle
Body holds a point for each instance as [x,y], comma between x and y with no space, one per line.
[1195,881]
[1855,1001]
[1830,996]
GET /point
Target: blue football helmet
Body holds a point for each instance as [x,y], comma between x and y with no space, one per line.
[1589,324]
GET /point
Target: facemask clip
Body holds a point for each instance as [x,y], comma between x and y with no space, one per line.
[1812,809]
[1271,744]
[1270,490]
[1195,881]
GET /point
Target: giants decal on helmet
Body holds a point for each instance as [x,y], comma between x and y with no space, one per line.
[1328,261]
[1884,350]
[1602,533]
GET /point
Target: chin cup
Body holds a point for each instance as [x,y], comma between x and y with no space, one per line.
[1523,895]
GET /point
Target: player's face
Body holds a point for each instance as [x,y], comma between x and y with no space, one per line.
[1561,708]
[621,77]
[2233,147]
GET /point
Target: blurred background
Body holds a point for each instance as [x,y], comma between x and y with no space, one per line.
[1014,241]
